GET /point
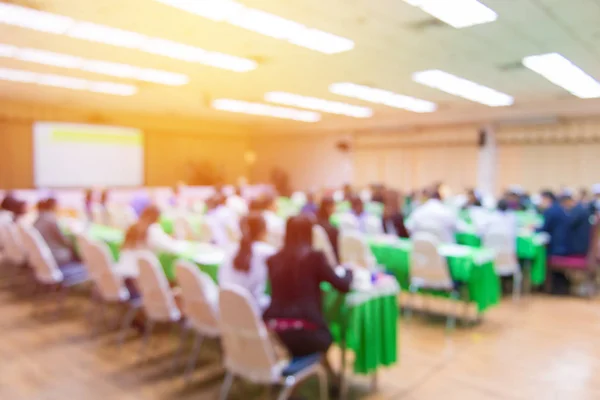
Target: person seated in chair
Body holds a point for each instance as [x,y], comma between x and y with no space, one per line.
[326,210]
[555,224]
[275,224]
[310,207]
[247,267]
[357,210]
[473,199]
[296,273]
[579,227]
[393,219]
[62,249]
[433,214]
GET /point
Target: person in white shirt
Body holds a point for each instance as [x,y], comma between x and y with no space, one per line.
[247,266]
[275,224]
[434,217]
[145,234]
[224,223]
[359,213]
[501,220]
[237,203]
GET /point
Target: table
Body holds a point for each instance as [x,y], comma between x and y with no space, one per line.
[369,320]
[530,247]
[473,266]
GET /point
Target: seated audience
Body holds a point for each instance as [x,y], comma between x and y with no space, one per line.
[324,214]
[393,219]
[501,219]
[223,221]
[237,203]
[555,224]
[579,228]
[595,201]
[178,199]
[145,234]
[378,193]
[348,192]
[296,273]
[275,224]
[247,267]
[46,224]
[310,207]
[358,211]
[140,201]
[88,204]
[433,215]
[513,200]
[473,199]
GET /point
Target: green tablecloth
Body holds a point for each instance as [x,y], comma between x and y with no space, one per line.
[480,277]
[371,326]
[527,248]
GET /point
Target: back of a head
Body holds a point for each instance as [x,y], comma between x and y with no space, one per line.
[502,205]
[298,235]
[548,194]
[391,202]
[357,204]
[137,233]
[326,207]
[254,228]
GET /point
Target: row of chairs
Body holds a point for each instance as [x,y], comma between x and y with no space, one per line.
[228,313]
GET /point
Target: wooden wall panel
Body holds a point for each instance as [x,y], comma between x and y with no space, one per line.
[16,155]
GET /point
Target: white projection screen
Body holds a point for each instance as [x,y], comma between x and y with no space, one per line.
[78,155]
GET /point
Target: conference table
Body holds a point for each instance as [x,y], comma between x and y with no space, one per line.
[472,266]
[365,322]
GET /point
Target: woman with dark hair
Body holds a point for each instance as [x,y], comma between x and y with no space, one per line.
[393,220]
[326,210]
[296,273]
[247,267]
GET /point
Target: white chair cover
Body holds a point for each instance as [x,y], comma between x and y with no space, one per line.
[427,267]
[99,261]
[248,350]
[14,250]
[44,266]
[434,229]
[503,244]
[200,298]
[321,242]
[157,297]
[299,198]
[354,250]
[183,229]
[374,226]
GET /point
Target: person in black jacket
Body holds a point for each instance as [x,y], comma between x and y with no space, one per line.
[326,210]
[393,219]
[296,273]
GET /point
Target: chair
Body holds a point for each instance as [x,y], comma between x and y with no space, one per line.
[122,216]
[321,242]
[158,300]
[373,225]
[429,270]
[200,298]
[183,229]
[348,222]
[249,352]
[506,263]
[355,250]
[587,264]
[109,287]
[434,229]
[14,250]
[45,269]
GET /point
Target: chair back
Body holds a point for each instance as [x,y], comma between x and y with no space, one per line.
[13,245]
[433,228]
[182,229]
[122,216]
[98,258]
[427,267]
[348,222]
[321,242]
[200,297]
[503,244]
[355,250]
[40,257]
[373,225]
[248,350]
[157,298]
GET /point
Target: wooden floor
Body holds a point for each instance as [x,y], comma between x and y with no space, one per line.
[542,348]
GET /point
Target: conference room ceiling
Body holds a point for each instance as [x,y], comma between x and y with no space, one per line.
[392,40]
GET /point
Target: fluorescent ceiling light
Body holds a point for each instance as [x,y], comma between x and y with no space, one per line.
[33,19]
[244,107]
[26,18]
[562,72]
[380,96]
[264,23]
[6,50]
[106,34]
[48,58]
[313,103]
[463,88]
[67,82]
[457,13]
[96,66]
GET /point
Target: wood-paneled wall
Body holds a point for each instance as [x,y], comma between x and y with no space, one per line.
[172,145]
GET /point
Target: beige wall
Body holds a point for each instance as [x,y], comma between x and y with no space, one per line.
[172,145]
